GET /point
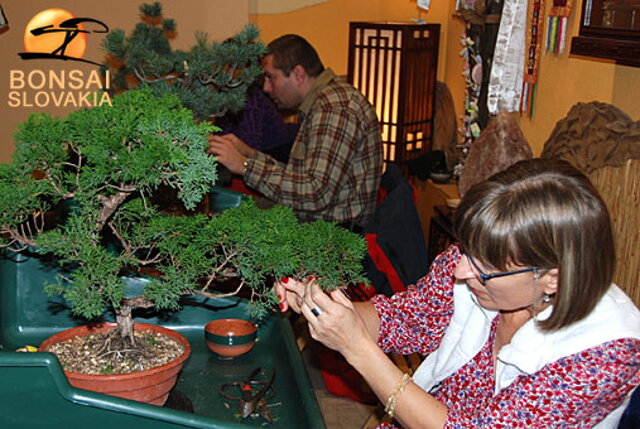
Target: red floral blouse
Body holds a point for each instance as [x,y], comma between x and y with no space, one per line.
[576,391]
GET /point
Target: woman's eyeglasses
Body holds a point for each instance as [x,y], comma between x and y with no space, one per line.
[484,278]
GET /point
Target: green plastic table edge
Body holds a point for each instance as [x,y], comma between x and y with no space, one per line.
[110,403]
[306,400]
[106,402]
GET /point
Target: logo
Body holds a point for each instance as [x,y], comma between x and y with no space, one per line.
[57,34]
[4,22]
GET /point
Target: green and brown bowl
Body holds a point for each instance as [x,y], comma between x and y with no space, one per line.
[229,338]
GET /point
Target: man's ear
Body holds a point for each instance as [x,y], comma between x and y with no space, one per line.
[299,74]
[550,281]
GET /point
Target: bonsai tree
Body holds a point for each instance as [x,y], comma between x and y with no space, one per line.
[210,79]
[82,188]
[100,166]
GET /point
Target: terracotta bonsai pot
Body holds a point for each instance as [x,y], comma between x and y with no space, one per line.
[151,386]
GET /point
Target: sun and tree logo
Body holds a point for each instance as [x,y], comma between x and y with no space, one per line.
[57,34]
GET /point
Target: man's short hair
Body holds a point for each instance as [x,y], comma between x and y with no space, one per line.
[291,50]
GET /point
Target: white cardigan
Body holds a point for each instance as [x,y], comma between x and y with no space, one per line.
[614,317]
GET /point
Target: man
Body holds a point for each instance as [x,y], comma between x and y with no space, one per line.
[334,168]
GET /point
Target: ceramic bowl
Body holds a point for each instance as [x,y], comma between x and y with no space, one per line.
[229,338]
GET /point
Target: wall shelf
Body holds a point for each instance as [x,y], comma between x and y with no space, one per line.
[610,29]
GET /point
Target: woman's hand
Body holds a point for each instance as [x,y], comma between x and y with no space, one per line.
[290,292]
[352,330]
[333,320]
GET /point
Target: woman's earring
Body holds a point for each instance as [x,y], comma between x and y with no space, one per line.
[547,298]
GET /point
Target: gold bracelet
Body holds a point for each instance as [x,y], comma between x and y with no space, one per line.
[391,402]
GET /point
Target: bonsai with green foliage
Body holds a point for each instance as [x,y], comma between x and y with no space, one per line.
[101,166]
[211,78]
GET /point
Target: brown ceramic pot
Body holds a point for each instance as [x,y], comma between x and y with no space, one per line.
[229,338]
[151,386]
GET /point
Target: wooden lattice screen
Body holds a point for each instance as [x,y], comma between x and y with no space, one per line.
[620,189]
[394,65]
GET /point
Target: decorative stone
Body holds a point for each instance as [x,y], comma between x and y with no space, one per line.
[499,145]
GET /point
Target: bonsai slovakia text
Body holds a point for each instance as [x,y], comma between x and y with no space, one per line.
[57,88]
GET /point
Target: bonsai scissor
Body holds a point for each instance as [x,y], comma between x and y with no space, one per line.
[250,400]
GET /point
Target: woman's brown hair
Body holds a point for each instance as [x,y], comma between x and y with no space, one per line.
[543,213]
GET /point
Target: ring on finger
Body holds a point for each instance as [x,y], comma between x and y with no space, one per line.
[317,311]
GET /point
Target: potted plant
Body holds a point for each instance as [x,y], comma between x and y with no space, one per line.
[211,78]
[84,188]
[105,163]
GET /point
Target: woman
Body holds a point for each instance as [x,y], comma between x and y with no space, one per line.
[519,320]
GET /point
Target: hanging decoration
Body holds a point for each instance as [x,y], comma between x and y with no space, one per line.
[557,26]
[470,129]
[424,4]
[532,61]
[507,68]
[482,20]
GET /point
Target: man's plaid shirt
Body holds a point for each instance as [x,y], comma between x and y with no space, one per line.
[335,163]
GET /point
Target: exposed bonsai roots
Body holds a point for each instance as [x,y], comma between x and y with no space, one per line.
[115,347]
[107,353]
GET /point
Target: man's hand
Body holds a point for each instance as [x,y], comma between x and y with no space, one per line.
[240,146]
[230,151]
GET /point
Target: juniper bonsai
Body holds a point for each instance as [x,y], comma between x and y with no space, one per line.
[102,166]
[106,162]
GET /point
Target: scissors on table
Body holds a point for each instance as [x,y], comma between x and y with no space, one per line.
[249,399]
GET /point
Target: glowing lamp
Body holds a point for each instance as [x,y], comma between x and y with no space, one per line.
[394,65]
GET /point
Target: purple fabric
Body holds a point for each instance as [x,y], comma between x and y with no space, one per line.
[260,124]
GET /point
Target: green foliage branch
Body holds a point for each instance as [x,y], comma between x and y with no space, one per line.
[99,159]
[211,78]
[103,165]
[252,246]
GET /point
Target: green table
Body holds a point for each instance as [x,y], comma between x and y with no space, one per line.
[35,393]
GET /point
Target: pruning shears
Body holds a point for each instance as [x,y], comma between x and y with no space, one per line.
[250,400]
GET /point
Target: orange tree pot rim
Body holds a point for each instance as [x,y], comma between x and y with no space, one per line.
[102,327]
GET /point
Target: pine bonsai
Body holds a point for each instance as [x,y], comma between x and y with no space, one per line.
[211,79]
[105,163]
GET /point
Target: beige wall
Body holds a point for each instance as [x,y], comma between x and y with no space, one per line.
[567,80]
[280,6]
[564,80]
[219,18]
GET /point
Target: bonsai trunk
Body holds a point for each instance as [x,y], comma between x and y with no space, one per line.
[124,318]
[110,205]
